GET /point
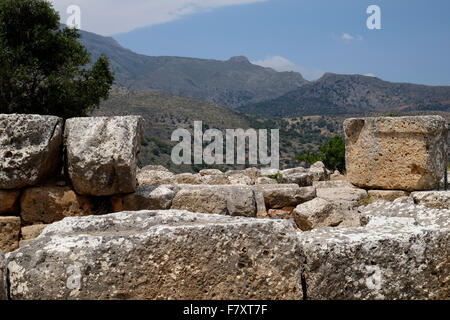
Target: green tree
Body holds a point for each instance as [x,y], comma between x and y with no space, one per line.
[332,154]
[43,68]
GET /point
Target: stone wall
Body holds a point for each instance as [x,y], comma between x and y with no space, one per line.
[242,234]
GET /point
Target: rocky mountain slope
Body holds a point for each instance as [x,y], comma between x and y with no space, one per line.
[230,83]
[335,94]
[163,113]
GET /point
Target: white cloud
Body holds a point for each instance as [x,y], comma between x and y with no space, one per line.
[347,37]
[108,17]
[369,75]
[281,64]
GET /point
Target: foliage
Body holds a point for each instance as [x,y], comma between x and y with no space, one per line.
[278,177]
[332,154]
[43,68]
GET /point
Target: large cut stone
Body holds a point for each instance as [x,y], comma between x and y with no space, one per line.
[102,154]
[389,258]
[396,153]
[159,255]
[237,200]
[277,196]
[51,204]
[145,198]
[148,177]
[9,233]
[3,290]
[9,204]
[30,149]
[315,214]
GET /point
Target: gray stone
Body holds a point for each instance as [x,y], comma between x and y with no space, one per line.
[302,179]
[102,154]
[30,149]
[400,209]
[387,195]
[265,172]
[277,196]
[315,214]
[3,290]
[148,178]
[159,255]
[433,199]
[154,168]
[265,180]
[319,172]
[337,194]
[390,258]
[235,200]
[147,198]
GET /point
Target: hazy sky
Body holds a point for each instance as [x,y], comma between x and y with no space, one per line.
[307,36]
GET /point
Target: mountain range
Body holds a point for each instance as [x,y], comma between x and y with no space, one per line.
[231,83]
[335,94]
[237,83]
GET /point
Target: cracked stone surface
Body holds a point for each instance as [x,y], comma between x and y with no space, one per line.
[159,255]
[396,153]
[402,252]
[30,149]
[102,154]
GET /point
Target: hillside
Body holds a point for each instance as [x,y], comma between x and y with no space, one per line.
[353,94]
[163,113]
[231,83]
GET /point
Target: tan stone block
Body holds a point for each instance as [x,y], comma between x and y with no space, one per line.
[386,195]
[396,153]
[9,202]
[51,204]
[9,233]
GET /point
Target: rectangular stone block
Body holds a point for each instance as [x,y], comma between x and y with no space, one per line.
[102,154]
[396,153]
[30,149]
[161,255]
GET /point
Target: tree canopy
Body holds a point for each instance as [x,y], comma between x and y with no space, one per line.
[44,69]
[332,154]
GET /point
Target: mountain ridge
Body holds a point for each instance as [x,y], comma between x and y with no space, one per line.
[353,94]
[231,83]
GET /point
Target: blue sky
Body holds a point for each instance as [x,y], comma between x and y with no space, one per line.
[309,36]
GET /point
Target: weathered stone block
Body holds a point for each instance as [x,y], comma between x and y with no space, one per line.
[148,178]
[389,258]
[433,199]
[277,196]
[145,198]
[159,255]
[386,195]
[315,214]
[235,200]
[51,204]
[30,149]
[188,178]
[396,153]
[9,202]
[9,233]
[102,154]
